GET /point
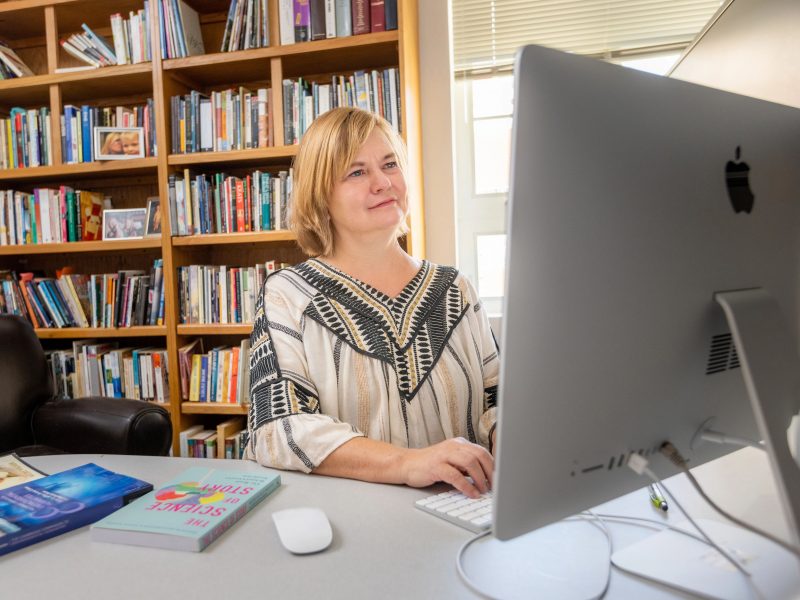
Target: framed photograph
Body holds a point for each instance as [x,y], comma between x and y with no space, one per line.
[118,143]
[124,223]
[153,227]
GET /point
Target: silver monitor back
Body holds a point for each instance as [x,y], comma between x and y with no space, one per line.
[621,230]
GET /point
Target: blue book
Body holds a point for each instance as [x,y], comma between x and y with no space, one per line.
[189,512]
[47,507]
[204,378]
[86,133]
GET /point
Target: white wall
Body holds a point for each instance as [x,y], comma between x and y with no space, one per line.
[435,42]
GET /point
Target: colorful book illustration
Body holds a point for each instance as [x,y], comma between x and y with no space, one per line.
[189,512]
[58,503]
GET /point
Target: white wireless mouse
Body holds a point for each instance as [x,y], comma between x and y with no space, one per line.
[303,530]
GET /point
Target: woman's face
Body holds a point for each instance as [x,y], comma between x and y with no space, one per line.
[371,196]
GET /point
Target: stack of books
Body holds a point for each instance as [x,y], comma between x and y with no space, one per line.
[122,299]
[219,203]
[233,119]
[93,368]
[221,376]
[50,215]
[132,44]
[220,293]
[179,29]
[311,20]
[227,441]
[78,123]
[90,48]
[247,26]
[26,138]
[304,101]
[11,65]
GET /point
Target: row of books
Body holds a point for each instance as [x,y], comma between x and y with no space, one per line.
[50,215]
[304,101]
[247,26]
[92,368]
[26,138]
[226,441]
[78,125]
[11,65]
[179,29]
[221,293]
[219,203]
[89,47]
[132,44]
[123,299]
[221,375]
[232,119]
[311,20]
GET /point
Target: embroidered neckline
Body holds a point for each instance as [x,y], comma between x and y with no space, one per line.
[409,333]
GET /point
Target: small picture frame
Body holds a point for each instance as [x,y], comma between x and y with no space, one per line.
[118,143]
[153,227]
[124,223]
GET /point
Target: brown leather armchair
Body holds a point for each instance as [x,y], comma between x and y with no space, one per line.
[32,422]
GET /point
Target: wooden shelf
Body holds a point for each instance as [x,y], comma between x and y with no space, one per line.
[101,332]
[32,91]
[254,156]
[248,237]
[212,408]
[133,166]
[34,27]
[216,329]
[76,247]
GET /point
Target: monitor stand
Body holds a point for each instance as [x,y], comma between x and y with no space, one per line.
[769,362]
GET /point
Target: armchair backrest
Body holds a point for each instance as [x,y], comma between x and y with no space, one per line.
[25,381]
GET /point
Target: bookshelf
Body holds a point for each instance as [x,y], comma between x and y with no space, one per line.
[33,29]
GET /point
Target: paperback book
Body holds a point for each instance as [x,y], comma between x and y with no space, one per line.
[189,512]
[58,503]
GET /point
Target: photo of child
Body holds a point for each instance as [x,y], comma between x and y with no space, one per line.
[124,224]
[118,143]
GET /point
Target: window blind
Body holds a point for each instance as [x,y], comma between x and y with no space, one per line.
[486,33]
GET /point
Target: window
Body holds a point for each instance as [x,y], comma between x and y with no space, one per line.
[485,36]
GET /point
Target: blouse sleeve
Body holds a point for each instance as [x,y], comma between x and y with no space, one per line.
[490,360]
[286,429]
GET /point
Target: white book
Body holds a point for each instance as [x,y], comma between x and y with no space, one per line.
[183,439]
[330,18]
[44,211]
[286,18]
[344,22]
[3,225]
[118,35]
[223,294]
[33,137]
[206,125]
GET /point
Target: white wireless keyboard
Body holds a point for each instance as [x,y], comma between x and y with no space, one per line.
[473,514]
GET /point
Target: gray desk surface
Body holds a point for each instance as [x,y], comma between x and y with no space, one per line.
[383,547]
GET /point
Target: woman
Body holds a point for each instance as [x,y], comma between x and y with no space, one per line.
[112,144]
[366,362]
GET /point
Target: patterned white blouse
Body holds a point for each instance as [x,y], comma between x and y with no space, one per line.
[332,358]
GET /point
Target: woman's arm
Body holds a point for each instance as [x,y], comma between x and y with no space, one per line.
[451,461]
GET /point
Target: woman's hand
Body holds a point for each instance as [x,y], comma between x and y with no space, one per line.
[451,461]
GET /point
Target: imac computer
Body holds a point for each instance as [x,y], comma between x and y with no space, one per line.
[651,288]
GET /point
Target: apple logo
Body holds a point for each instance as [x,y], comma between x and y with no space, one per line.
[737,181]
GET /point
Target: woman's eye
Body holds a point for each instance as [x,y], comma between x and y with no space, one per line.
[390,165]
[357,173]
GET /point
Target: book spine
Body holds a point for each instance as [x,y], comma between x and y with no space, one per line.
[360,10]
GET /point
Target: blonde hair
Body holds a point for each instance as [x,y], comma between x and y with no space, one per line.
[326,151]
[110,138]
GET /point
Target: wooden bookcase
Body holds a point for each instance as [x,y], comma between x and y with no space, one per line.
[33,28]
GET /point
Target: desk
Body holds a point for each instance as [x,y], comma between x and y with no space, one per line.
[383,547]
